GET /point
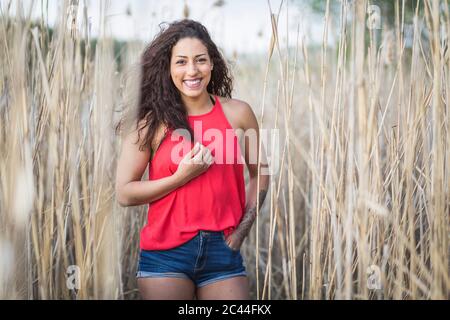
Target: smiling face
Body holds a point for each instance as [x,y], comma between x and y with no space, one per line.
[190,67]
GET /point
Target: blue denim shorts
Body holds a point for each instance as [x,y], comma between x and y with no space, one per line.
[204,259]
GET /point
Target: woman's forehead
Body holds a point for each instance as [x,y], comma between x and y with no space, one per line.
[189,47]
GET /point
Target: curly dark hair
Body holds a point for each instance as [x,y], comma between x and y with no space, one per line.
[159,100]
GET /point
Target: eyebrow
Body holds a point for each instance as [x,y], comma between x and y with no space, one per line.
[195,56]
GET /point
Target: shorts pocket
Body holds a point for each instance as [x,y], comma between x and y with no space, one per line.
[227,246]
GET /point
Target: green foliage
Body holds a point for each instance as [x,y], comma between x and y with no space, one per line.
[387,8]
[47,34]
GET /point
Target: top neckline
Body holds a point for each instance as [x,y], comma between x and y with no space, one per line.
[207,113]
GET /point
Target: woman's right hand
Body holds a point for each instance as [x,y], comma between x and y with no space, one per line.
[194,163]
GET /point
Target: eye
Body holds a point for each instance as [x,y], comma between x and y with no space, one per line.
[179,62]
[202,60]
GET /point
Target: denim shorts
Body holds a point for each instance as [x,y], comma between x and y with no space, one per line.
[204,259]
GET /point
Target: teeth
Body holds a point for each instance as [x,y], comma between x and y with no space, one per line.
[192,82]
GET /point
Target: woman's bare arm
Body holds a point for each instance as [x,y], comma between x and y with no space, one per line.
[251,154]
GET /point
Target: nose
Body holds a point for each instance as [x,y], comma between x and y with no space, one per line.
[192,68]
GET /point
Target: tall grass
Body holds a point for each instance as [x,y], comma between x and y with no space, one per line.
[363,184]
[369,136]
[58,151]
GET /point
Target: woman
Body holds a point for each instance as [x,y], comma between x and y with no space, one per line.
[199,213]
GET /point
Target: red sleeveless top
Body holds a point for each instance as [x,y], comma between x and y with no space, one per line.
[214,200]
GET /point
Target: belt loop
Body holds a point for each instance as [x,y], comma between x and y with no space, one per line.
[205,234]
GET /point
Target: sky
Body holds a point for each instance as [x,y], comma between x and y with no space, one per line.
[241,26]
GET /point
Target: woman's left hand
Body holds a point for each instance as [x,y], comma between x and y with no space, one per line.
[234,241]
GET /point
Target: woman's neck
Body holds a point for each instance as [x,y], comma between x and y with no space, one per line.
[197,105]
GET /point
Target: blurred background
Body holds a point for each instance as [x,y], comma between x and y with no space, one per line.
[354,95]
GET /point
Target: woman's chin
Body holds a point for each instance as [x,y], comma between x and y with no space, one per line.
[192,93]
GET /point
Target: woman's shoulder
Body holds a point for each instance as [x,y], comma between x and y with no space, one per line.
[159,133]
[239,110]
[238,105]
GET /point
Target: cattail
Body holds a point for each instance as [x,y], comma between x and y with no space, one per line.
[72,17]
[186,10]
[274,37]
[388,52]
[219,3]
